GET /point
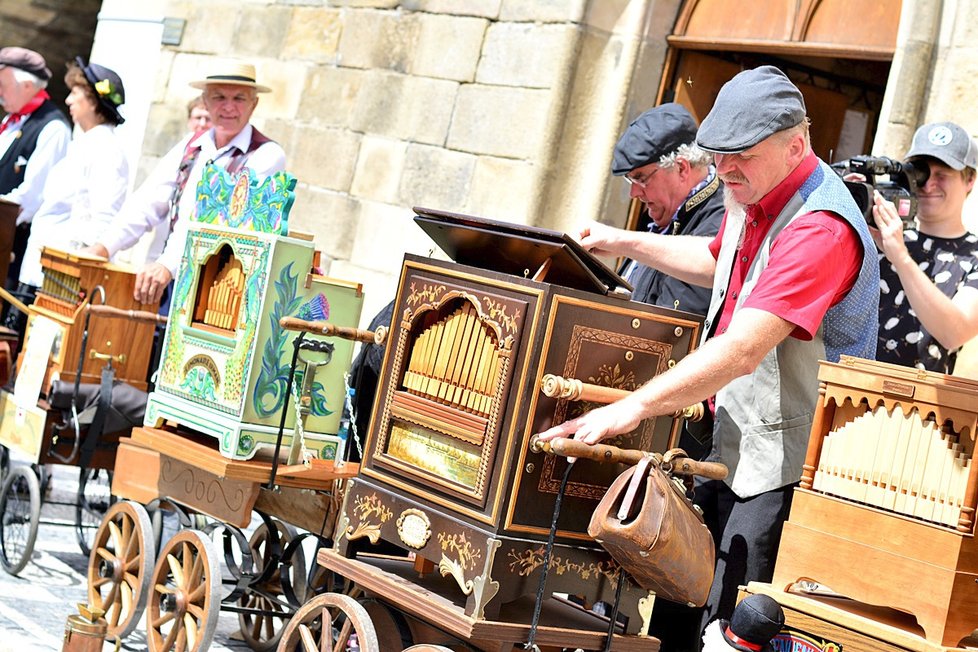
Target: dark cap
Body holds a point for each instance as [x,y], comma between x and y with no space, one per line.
[947,142]
[107,85]
[27,60]
[750,107]
[652,135]
[755,621]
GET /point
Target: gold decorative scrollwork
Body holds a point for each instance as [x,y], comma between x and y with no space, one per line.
[497,311]
[366,506]
[364,529]
[527,561]
[451,567]
[468,554]
[427,294]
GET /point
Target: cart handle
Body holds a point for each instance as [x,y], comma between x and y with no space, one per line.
[325,328]
[131,315]
[673,460]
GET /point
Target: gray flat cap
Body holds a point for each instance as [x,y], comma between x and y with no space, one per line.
[27,60]
[948,143]
[652,135]
[750,107]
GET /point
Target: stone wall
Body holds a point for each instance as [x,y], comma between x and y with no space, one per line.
[501,108]
[59,29]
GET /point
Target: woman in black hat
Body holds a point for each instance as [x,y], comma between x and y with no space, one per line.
[86,189]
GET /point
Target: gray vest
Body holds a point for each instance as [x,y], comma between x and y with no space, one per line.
[763,420]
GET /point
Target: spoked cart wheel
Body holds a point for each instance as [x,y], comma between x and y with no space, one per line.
[119,566]
[20,511]
[184,600]
[326,624]
[92,502]
[262,631]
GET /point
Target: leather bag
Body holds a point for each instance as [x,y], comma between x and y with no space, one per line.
[647,525]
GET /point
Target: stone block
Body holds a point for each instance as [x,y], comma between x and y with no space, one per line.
[324,157]
[169,125]
[378,39]
[378,170]
[287,79]
[418,109]
[371,4]
[314,34]
[260,31]
[330,216]
[523,54]
[436,178]
[162,76]
[384,234]
[500,188]
[209,28]
[448,47]
[499,120]
[282,131]
[185,69]
[481,8]
[331,96]
[544,11]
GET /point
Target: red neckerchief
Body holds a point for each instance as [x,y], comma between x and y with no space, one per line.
[27,109]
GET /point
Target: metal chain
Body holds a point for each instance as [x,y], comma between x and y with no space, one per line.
[299,427]
[348,400]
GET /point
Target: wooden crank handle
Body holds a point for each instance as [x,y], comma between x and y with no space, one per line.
[573,389]
[130,315]
[325,328]
[596,452]
[710,470]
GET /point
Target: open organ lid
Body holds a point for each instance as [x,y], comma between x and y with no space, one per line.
[518,249]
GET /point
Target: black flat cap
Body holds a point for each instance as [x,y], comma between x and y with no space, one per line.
[652,135]
[750,107]
[27,60]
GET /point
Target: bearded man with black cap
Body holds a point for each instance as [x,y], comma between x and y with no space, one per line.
[794,277]
[33,137]
[929,274]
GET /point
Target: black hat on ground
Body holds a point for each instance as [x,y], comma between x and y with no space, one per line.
[652,135]
[755,104]
[107,85]
[755,621]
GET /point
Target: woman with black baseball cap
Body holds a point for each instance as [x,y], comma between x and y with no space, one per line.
[86,189]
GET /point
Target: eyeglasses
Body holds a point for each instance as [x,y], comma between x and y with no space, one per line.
[641,183]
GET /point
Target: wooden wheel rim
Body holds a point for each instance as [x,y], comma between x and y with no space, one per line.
[299,634]
[119,566]
[183,604]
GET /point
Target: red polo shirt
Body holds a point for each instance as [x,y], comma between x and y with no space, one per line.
[814,261]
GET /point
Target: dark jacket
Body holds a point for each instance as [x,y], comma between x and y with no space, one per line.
[700,215]
[11,174]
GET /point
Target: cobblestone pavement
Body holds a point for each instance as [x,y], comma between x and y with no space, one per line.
[35,605]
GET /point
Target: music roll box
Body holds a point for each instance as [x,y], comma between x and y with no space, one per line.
[226,361]
[448,472]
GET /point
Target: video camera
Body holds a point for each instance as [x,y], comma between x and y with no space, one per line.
[904,180]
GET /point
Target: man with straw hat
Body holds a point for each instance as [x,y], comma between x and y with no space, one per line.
[230,94]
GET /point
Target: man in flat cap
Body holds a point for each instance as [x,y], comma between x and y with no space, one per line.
[678,186]
[929,274]
[168,196]
[34,136]
[795,280]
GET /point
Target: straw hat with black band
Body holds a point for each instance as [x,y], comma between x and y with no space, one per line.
[232,74]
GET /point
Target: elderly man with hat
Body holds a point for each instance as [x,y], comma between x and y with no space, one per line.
[678,186]
[929,273]
[167,196]
[794,276]
[34,136]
